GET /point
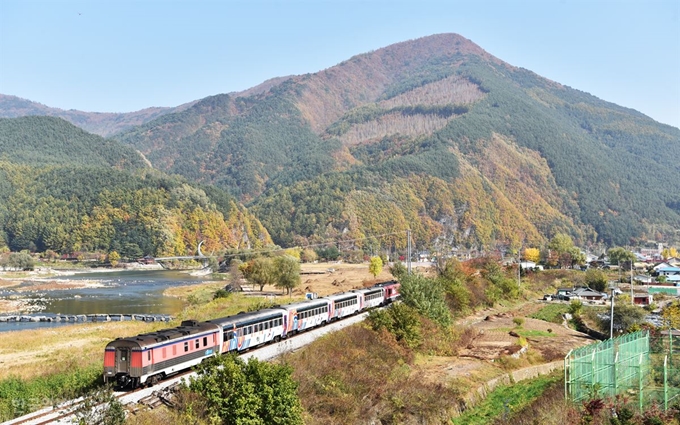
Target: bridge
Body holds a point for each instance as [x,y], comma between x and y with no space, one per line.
[200,257]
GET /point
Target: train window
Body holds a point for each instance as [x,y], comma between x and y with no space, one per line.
[205,341]
[261,326]
[198,344]
[229,335]
[148,355]
[186,347]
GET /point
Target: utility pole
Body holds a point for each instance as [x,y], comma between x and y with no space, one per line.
[408,249]
[611,317]
[632,300]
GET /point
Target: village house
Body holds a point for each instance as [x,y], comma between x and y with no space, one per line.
[643,299]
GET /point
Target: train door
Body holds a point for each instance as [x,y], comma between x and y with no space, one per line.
[122,360]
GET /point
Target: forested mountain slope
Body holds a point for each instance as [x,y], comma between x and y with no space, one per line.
[433,134]
[102,123]
[66,190]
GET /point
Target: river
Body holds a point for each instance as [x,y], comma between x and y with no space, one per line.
[121,292]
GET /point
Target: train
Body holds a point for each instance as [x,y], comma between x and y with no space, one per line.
[145,359]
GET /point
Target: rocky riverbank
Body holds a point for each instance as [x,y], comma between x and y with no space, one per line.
[19,288]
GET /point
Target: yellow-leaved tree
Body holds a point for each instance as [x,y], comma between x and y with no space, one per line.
[375,266]
[532,254]
[669,253]
[114,257]
[671,315]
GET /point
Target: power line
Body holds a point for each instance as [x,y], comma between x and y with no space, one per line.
[330,242]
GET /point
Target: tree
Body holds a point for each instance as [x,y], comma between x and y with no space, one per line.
[626,317]
[398,270]
[21,260]
[309,256]
[400,320]
[618,255]
[375,266]
[532,254]
[330,253]
[213,264]
[561,243]
[427,296]
[261,272]
[293,252]
[287,272]
[596,279]
[114,257]
[669,252]
[253,393]
[671,315]
[577,256]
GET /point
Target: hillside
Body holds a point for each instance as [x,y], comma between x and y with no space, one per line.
[36,140]
[102,123]
[434,134]
[65,190]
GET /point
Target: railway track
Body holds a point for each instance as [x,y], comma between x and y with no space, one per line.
[140,398]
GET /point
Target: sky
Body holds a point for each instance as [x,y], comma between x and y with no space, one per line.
[124,55]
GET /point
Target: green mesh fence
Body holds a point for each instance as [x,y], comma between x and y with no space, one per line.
[641,367]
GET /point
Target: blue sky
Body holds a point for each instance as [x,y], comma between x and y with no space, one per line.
[121,56]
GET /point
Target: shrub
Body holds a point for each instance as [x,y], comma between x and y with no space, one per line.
[519,321]
[400,320]
[221,293]
[254,393]
[427,297]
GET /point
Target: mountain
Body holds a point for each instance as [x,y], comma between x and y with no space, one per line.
[66,190]
[102,123]
[36,140]
[105,124]
[435,135]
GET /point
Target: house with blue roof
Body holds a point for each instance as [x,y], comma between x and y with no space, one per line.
[669,271]
[672,274]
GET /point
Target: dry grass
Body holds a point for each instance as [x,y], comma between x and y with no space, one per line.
[359,376]
[37,352]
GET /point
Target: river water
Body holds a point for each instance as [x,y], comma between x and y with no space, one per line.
[123,292]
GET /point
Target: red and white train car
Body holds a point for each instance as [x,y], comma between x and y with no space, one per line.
[391,289]
[148,358]
[247,330]
[344,304]
[307,315]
